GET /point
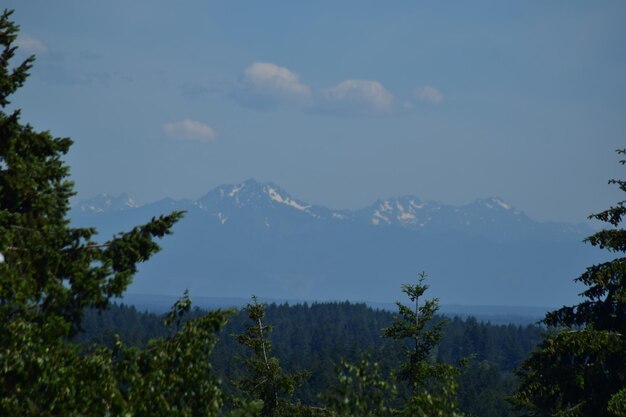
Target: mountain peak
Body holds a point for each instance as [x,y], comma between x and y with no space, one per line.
[403,210]
[249,184]
[236,190]
[253,194]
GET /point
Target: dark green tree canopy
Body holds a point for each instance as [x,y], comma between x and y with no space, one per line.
[52,271]
[580,369]
[604,307]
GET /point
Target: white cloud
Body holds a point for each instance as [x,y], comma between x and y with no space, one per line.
[267,85]
[264,85]
[358,97]
[189,130]
[429,94]
[30,45]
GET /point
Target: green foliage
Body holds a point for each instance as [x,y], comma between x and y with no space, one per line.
[410,324]
[580,369]
[180,308]
[173,376]
[434,385]
[439,401]
[52,272]
[266,380]
[362,390]
[41,377]
[317,336]
[483,389]
[617,403]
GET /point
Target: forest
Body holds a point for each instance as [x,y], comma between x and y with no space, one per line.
[316,339]
[67,350]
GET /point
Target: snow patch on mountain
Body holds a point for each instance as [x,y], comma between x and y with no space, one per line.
[378,216]
[107,203]
[274,195]
[502,204]
[405,216]
[416,205]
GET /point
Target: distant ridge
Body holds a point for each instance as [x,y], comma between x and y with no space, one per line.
[493,314]
[490,217]
[254,237]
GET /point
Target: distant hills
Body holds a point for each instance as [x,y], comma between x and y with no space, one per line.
[255,237]
[494,314]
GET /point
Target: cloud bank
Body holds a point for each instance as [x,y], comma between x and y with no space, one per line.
[189,130]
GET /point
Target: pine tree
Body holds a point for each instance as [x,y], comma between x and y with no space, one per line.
[433,385]
[266,380]
[50,272]
[580,368]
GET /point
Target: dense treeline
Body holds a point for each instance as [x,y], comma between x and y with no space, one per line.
[315,337]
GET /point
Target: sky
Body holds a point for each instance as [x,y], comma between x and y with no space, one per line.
[340,103]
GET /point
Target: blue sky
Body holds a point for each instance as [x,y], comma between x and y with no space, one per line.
[338,102]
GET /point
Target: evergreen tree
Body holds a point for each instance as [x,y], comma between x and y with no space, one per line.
[266,380]
[580,369]
[51,272]
[433,385]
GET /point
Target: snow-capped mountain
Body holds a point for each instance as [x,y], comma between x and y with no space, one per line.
[488,217]
[411,212]
[106,203]
[253,200]
[252,203]
[253,237]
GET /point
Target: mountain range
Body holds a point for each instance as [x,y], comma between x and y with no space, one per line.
[254,237]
